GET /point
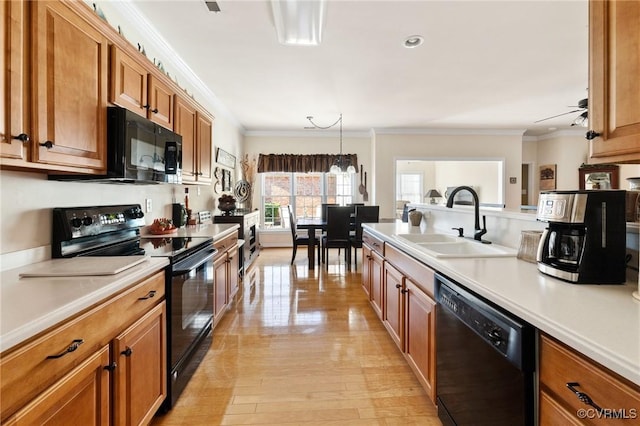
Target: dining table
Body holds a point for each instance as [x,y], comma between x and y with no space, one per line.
[311,224]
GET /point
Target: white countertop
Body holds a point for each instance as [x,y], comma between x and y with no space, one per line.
[600,321]
[29,306]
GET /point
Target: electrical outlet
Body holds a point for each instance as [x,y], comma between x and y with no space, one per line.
[198,190]
[149,205]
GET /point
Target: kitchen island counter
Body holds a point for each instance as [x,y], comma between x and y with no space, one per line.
[600,321]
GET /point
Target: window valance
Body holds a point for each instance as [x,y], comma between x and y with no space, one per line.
[303,163]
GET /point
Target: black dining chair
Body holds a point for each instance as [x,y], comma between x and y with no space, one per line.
[364,214]
[296,239]
[323,210]
[337,235]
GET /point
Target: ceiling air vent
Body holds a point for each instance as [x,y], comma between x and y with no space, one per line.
[212,6]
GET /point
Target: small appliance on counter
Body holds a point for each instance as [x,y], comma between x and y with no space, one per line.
[585,240]
[179,215]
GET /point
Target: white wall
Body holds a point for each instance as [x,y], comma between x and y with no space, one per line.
[390,147]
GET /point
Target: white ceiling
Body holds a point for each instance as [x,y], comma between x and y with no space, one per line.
[484,64]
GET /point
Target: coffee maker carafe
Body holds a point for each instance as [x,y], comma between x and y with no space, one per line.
[585,240]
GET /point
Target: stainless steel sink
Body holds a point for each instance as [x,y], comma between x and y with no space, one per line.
[449,246]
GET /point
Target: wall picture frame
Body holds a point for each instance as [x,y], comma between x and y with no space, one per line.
[547,177]
[599,177]
[226,159]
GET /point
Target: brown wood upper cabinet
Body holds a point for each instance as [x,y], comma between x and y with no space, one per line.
[60,124]
[133,87]
[195,127]
[13,126]
[614,86]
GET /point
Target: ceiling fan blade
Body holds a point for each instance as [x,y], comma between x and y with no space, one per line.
[559,115]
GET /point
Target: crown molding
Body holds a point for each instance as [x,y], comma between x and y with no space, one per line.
[133,17]
[307,133]
[449,131]
[563,133]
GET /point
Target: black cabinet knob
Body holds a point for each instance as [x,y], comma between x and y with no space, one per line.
[591,134]
[47,144]
[22,137]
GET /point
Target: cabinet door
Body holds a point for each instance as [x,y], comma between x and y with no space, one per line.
[392,312]
[204,131]
[233,279]
[69,68]
[366,270]
[12,80]
[220,267]
[128,82]
[376,283]
[185,126]
[160,103]
[419,335]
[140,384]
[614,86]
[79,398]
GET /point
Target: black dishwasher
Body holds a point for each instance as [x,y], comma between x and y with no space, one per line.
[485,361]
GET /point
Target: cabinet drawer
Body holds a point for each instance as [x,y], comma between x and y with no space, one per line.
[27,371]
[225,244]
[560,365]
[420,273]
[375,243]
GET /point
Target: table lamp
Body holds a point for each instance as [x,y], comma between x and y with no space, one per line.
[433,194]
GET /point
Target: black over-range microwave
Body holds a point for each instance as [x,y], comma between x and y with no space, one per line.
[138,151]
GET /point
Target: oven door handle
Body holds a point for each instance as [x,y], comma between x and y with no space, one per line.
[193,262]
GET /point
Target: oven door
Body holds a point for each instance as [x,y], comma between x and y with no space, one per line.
[190,304]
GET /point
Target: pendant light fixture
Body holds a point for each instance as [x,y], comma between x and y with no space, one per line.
[340,166]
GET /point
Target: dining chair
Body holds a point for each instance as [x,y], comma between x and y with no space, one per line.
[296,239]
[337,235]
[323,210]
[364,214]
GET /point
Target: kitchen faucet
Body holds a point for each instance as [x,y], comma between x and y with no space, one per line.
[479,232]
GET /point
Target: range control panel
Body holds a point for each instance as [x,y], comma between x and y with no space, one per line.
[78,222]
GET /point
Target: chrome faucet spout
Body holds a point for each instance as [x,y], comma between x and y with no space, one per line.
[479,232]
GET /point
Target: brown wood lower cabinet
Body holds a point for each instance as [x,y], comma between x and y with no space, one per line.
[564,372]
[111,357]
[226,274]
[401,291]
[140,382]
[409,313]
[81,397]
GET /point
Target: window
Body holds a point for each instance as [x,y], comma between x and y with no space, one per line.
[305,192]
[409,187]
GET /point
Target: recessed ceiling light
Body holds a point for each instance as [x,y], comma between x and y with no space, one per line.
[413,41]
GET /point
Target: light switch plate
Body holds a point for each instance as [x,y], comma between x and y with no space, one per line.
[149,205]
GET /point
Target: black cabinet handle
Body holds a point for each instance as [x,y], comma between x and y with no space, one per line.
[582,396]
[71,348]
[111,366]
[591,134]
[22,137]
[149,295]
[155,111]
[398,285]
[147,106]
[127,351]
[404,291]
[47,144]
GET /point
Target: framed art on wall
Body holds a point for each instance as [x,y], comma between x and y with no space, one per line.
[226,159]
[547,177]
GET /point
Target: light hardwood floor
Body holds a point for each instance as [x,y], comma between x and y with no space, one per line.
[302,347]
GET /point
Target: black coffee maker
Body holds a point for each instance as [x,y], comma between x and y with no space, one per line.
[585,241]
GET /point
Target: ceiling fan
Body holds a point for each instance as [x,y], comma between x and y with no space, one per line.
[580,120]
